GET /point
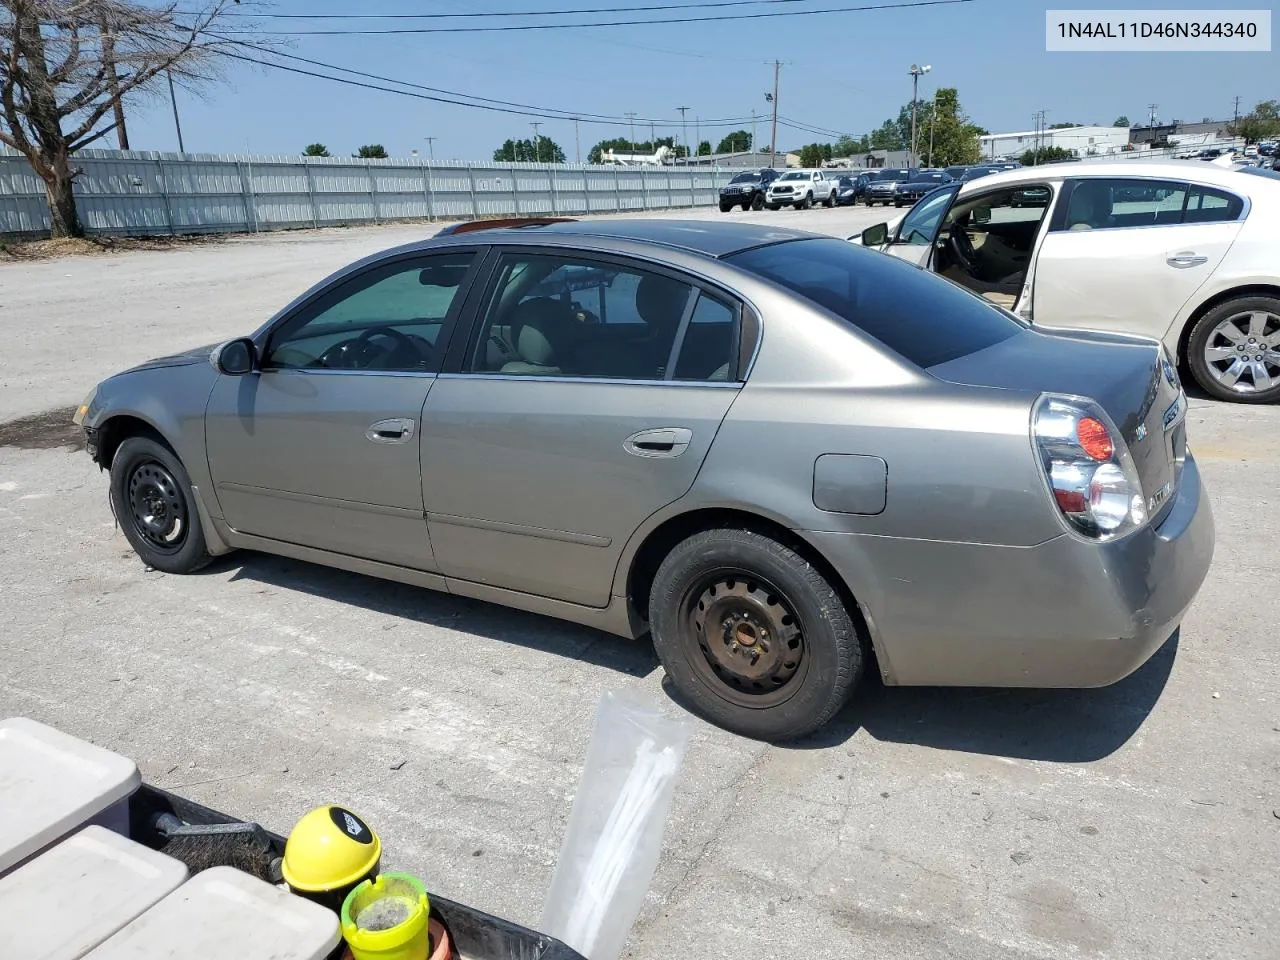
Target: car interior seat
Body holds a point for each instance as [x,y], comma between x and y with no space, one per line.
[1090,206]
[660,302]
[541,336]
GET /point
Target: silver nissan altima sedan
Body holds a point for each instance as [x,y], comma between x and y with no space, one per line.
[779,454]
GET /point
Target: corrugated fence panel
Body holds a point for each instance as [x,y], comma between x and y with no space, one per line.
[146,192]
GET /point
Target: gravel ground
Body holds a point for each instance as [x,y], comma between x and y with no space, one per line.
[1133,822]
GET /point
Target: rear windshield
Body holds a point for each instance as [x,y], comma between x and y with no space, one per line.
[915,313]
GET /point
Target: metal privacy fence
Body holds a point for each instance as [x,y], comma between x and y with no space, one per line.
[141,193]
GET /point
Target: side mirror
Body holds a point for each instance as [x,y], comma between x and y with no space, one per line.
[875,236]
[235,358]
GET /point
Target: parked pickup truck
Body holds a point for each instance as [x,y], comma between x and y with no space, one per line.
[801,189]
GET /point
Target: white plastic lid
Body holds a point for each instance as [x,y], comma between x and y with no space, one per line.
[66,901]
[224,914]
[52,783]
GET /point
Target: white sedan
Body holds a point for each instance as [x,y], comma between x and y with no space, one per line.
[1186,252]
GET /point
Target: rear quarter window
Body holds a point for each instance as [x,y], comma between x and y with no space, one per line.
[920,316]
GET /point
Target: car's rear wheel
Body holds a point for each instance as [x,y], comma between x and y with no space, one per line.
[1234,350]
[752,635]
[154,504]
[830,201]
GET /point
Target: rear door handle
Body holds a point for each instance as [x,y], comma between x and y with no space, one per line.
[395,430]
[1187,259]
[658,442]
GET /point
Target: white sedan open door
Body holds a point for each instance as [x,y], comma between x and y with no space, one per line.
[914,236]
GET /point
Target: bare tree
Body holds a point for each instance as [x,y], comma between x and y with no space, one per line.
[66,65]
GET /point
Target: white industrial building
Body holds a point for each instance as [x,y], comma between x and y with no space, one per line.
[1082,141]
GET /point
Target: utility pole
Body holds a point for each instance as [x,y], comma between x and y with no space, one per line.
[113,81]
[773,135]
[653,138]
[631,118]
[755,144]
[1152,107]
[174,100]
[537,144]
[933,122]
[684,133]
[916,72]
[431,147]
[577,143]
[1236,118]
[697,135]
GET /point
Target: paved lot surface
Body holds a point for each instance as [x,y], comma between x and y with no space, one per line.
[1139,821]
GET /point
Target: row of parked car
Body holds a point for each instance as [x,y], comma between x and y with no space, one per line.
[801,189]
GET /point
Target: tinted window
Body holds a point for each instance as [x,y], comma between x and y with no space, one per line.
[387,318]
[924,318]
[1110,203]
[1207,205]
[892,175]
[555,316]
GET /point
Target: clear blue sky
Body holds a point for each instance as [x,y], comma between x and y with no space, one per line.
[844,72]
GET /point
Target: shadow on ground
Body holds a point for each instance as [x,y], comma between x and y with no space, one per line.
[632,657]
[1068,726]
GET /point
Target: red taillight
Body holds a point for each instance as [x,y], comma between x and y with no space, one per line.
[1095,439]
[1071,501]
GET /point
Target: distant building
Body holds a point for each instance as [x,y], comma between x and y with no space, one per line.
[1082,141]
[1162,134]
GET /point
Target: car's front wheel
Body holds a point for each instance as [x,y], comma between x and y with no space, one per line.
[757,203]
[725,207]
[804,202]
[153,501]
[1234,350]
[752,635]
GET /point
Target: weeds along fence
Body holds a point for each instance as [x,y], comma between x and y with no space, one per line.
[144,193]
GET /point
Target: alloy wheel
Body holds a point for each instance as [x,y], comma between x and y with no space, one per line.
[1243,352]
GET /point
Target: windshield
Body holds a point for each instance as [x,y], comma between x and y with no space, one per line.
[846,181]
[915,313]
[933,178]
[746,178]
[794,176]
[892,175]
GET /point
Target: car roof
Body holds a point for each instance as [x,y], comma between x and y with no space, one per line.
[711,238]
[1147,169]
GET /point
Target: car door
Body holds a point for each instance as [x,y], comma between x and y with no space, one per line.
[319,446]
[1126,253]
[543,457]
[916,234]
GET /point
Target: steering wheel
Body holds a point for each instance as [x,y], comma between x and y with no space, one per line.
[359,352]
[962,248]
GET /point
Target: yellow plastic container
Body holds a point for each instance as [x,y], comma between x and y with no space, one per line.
[328,853]
[387,919]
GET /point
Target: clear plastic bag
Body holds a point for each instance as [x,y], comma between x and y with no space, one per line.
[615,831]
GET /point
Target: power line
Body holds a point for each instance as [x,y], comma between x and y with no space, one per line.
[552,113]
[472,14]
[608,23]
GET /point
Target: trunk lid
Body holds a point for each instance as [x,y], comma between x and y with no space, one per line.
[1129,377]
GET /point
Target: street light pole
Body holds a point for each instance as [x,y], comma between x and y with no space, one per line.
[684,132]
[631,119]
[917,72]
[773,135]
[933,122]
[537,152]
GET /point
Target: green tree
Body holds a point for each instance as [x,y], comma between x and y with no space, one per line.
[1121,121]
[545,150]
[811,155]
[1260,123]
[848,146]
[946,136]
[737,142]
[316,150]
[704,148]
[371,151]
[1033,158]
[1064,126]
[888,136]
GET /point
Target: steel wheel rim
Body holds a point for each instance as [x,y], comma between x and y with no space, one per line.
[156,506]
[1242,352]
[745,640]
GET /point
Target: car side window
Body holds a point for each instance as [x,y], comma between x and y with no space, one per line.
[709,347]
[1111,203]
[1208,205]
[550,315]
[388,318]
[920,226]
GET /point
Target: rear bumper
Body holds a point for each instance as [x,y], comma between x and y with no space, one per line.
[1064,613]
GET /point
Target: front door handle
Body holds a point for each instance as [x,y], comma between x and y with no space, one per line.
[395,430]
[1186,259]
[658,442]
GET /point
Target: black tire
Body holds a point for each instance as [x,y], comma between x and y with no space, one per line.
[149,481]
[746,206]
[1204,334]
[725,207]
[767,591]
[757,203]
[804,202]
